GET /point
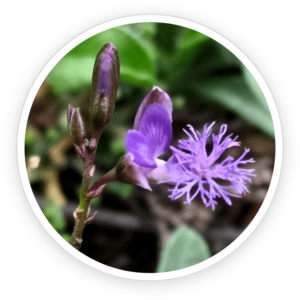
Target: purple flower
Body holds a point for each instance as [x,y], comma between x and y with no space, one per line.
[149,139]
[196,172]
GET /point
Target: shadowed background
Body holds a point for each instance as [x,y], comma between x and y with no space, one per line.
[206,83]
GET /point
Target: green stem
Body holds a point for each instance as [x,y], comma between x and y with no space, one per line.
[82,210]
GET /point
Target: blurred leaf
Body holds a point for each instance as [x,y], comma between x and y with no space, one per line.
[146,30]
[34,176]
[184,249]
[75,163]
[227,56]
[210,60]
[74,71]
[96,202]
[189,45]
[30,136]
[118,146]
[53,135]
[252,83]
[53,213]
[120,189]
[168,36]
[179,102]
[233,94]
[179,49]
[67,237]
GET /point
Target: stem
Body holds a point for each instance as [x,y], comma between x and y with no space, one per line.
[82,210]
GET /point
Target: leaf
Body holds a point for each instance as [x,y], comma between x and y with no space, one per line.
[120,189]
[252,83]
[207,60]
[185,248]
[168,36]
[137,56]
[234,94]
[189,45]
[54,214]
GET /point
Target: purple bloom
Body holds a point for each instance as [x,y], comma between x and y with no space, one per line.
[150,138]
[196,172]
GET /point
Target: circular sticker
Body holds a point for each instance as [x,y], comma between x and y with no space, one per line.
[150,147]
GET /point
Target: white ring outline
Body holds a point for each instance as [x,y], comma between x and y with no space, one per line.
[141,19]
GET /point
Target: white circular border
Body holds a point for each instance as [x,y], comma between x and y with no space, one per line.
[141,19]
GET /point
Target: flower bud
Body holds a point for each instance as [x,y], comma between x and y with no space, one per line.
[106,77]
[92,146]
[76,125]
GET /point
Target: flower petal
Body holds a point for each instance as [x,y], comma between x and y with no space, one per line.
[156,126]
[157,95]
[194,173]
[141,147]
[159,174]
[129,172]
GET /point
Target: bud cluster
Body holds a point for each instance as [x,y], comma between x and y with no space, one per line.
[106,76]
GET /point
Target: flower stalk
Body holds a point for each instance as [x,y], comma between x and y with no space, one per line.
[105,82]
[82,211]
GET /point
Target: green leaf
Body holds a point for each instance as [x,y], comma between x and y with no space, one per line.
[120,189]
[168,36]
[137,56]
[206,60]
[54,214]
[185,248]
[234,94]
[253,85]
[30,136]
[67,237]
[189,45]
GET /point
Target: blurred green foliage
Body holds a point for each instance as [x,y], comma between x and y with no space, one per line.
[185,248]
[54,214]
[182,61]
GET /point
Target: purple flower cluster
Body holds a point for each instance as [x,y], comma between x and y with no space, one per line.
[191,170]
[197,172]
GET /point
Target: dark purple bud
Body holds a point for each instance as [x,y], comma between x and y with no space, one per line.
[76,126]
[106,77]
[70,113]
